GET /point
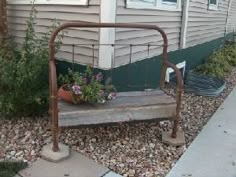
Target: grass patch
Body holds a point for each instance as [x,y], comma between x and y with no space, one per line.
[10,169]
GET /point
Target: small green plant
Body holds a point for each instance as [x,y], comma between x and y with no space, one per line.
[220,62]
[87,87]
[24,74]
[10,169]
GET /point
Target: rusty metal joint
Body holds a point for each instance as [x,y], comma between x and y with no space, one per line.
[179,90]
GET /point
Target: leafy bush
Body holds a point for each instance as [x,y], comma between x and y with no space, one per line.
[220,62]
[10,169]
[24,74]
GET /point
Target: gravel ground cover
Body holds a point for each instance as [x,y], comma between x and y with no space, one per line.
[130,149]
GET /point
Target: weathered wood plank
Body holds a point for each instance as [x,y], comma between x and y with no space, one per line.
[117,115]
[124,99]
[128,106]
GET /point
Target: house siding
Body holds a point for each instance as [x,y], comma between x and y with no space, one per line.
[205,25]
[232,17]
[18,15]
[170,21]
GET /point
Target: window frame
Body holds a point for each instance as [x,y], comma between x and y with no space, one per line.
[158,5]
[51,2]
[213,6]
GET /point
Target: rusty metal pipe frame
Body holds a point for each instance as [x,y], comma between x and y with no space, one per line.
[53,78]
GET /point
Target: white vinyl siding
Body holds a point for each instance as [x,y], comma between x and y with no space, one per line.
[170,21]
[18,15]
[232,18]
[205,25]
[62,2]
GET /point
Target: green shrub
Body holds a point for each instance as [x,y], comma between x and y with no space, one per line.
[220,62]
[10,169]
[24,74]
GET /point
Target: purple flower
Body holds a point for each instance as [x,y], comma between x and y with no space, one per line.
[111,96]
[76,89]
[99,77]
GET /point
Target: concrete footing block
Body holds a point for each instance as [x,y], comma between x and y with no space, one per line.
[49,155]
[178,141]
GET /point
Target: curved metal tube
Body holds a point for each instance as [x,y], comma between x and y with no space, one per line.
[53,77]
[178,96]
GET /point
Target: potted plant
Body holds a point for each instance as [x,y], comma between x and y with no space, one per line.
[85,87]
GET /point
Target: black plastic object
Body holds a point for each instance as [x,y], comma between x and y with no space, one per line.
[204,85]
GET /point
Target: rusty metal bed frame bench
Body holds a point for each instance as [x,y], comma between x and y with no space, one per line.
[128,106]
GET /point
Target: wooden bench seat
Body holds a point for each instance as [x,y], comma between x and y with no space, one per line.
[128,106]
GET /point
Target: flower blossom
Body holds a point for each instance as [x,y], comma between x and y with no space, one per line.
[76,89]
[111,96]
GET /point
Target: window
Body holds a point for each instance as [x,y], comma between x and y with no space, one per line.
[213,4]
[173,1]
[154,4]
[61,2]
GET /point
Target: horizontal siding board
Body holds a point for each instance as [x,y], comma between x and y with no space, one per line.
[44,23]
[92,36]
[152,39]
[215,33]
[204,38]
[125,50]
[78,59]
[150,12]
[141,19]
[144,33]
[205,32]
[18,16]
[192,42]
[59,16]
[66,40]
[140,55]
[206,27]
[200,24]
[209,15]
[80,50]
[165,26]
[92,9]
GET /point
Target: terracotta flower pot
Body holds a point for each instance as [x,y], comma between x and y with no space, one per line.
[65,94]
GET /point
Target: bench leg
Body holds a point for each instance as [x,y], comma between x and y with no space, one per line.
[55,152]
[175,138]
[175,129]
